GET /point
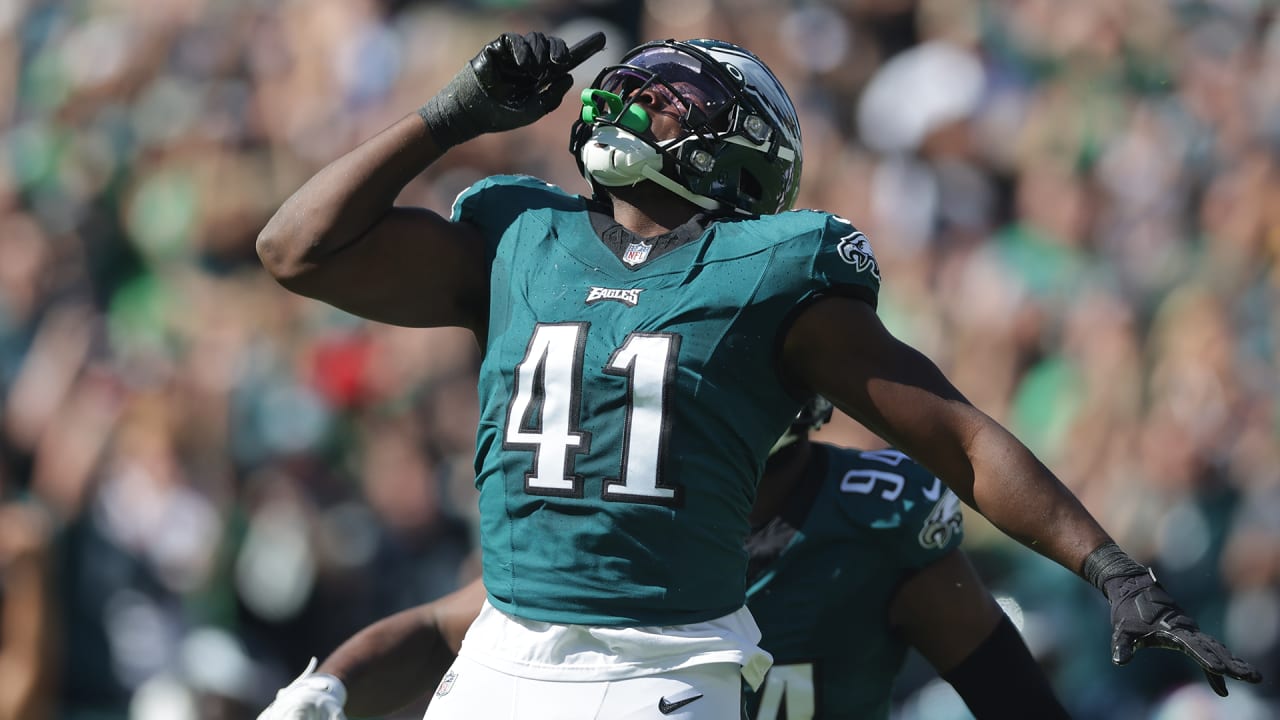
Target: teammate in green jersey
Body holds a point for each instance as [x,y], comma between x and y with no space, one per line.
[642,349]
[854,556]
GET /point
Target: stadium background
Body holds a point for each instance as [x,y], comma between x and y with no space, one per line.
[1075,205]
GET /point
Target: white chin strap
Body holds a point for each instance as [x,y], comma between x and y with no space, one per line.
[614,157]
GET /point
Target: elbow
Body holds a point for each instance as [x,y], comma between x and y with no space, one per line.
[280,255]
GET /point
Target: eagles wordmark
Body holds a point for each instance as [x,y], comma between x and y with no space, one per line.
[628,296]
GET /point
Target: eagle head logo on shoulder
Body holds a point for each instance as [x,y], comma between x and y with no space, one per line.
[855,249]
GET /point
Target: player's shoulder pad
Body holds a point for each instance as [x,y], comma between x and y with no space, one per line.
[501,196]
[885,491]
[849,244]
[793,228]
[795,222]
[811,252]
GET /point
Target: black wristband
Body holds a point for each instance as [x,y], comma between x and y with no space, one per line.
[441,118]
[451,115]
[1109,562]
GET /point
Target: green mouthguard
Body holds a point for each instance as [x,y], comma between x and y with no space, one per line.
[597,104]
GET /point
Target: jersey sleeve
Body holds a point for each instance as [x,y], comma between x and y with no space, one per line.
[495,204]
[843,262]
[811,255]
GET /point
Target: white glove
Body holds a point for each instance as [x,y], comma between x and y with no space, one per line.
[312,696]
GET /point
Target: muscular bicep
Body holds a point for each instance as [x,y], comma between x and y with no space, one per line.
[944,611]
[412,267]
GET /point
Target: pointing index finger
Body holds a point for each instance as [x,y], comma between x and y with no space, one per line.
[584,49]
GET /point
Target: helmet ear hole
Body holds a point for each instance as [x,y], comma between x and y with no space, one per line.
[748,185]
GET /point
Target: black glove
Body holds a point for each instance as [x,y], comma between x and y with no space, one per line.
[515,80]
[1144,615]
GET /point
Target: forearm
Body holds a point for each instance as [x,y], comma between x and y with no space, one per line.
[988,468]
[1020,496]
[512,82]
[390,663]
[342,201]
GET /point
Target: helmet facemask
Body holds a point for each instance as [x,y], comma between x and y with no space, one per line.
[728,155]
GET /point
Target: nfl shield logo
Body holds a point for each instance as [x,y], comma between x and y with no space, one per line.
[446,683]
[636,253]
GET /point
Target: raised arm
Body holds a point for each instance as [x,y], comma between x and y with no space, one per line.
[341,239]
[837,347]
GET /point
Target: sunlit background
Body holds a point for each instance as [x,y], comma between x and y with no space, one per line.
[205,480]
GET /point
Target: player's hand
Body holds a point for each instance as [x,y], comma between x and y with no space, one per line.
[1144,615]
[512,82]
[312,696]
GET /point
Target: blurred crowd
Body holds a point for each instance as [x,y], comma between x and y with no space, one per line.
[204,479]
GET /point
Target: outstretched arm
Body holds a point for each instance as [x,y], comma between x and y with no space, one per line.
[341,239]
[948,615]
[385,666]
[838,348]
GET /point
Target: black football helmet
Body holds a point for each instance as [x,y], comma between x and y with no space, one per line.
[740,149]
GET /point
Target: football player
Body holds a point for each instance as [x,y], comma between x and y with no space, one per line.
[642,350]
[854,555]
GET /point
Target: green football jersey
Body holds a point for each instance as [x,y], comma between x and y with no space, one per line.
[627,408]
[824,571]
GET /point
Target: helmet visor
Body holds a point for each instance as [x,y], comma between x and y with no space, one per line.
[683,81]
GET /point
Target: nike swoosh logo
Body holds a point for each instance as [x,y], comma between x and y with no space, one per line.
[666,708]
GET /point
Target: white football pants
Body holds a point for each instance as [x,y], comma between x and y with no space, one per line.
[702,692]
